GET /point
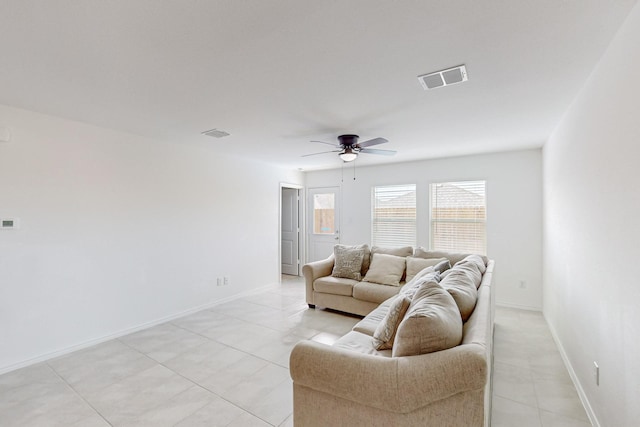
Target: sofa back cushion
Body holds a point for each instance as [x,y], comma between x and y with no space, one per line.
[403,252]
[462,282]
[428,274]
[385,269]
[474,261]
[432,323]
[451,256]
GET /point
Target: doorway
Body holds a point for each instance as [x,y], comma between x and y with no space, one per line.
[290,225]
[323,219]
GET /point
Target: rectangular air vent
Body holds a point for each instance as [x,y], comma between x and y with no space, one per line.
[444,77]
[215,133]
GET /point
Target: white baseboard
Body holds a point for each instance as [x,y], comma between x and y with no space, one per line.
[518,306]
[95,341]
[574,378]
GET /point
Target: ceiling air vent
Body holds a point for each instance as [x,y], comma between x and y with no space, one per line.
[443,78]
[216,133]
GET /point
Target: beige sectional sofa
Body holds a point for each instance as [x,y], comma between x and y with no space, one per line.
[356,296]
[353,384]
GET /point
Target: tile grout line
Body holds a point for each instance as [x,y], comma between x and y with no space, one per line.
[79,394]
[194,384]
[211,391]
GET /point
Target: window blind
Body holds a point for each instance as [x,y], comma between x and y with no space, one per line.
[394,215]
[459,217]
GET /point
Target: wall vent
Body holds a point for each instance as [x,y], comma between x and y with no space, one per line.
[444,77]
[216,133]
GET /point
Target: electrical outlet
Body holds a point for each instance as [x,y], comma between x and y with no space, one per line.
[596,372]
[219,282]
[226,280]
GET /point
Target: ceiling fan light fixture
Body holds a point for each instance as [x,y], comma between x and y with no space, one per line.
[348,155]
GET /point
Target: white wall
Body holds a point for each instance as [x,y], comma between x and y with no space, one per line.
[592,232]
[118,230]
[514,212]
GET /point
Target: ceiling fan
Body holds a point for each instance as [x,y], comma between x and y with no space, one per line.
[348,147]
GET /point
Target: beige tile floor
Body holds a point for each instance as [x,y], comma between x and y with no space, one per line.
[531,385]
[228,366]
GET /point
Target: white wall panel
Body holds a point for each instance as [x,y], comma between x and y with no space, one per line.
[117,231]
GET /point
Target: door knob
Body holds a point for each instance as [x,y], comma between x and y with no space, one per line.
[337,238]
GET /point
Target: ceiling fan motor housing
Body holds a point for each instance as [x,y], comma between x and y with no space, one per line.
[348,140]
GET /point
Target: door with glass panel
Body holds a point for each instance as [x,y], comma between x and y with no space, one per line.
[323,221]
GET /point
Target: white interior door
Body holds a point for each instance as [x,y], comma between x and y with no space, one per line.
[290,232]
[323,221]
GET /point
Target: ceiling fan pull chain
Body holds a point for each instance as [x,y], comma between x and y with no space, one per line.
[354,170]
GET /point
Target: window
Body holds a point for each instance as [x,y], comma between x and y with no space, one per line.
[459,217]
[394,215]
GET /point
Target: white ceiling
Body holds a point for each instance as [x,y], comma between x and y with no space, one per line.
[276,74]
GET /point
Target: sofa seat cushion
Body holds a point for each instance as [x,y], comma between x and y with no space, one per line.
[334,285]
[361,343]
[369,324]
[374,292]
[431,324]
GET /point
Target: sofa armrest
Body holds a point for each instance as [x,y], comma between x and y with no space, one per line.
[398,384]
[311,271]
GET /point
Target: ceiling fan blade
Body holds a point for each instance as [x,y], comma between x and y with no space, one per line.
[324,152]
[328,143]
[382,152]
[371,142]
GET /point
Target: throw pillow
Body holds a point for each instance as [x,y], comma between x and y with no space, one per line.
[432,323]
[385,269]
[366,259]
[415,265]
[404,251]
[386,330]
[348,262]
